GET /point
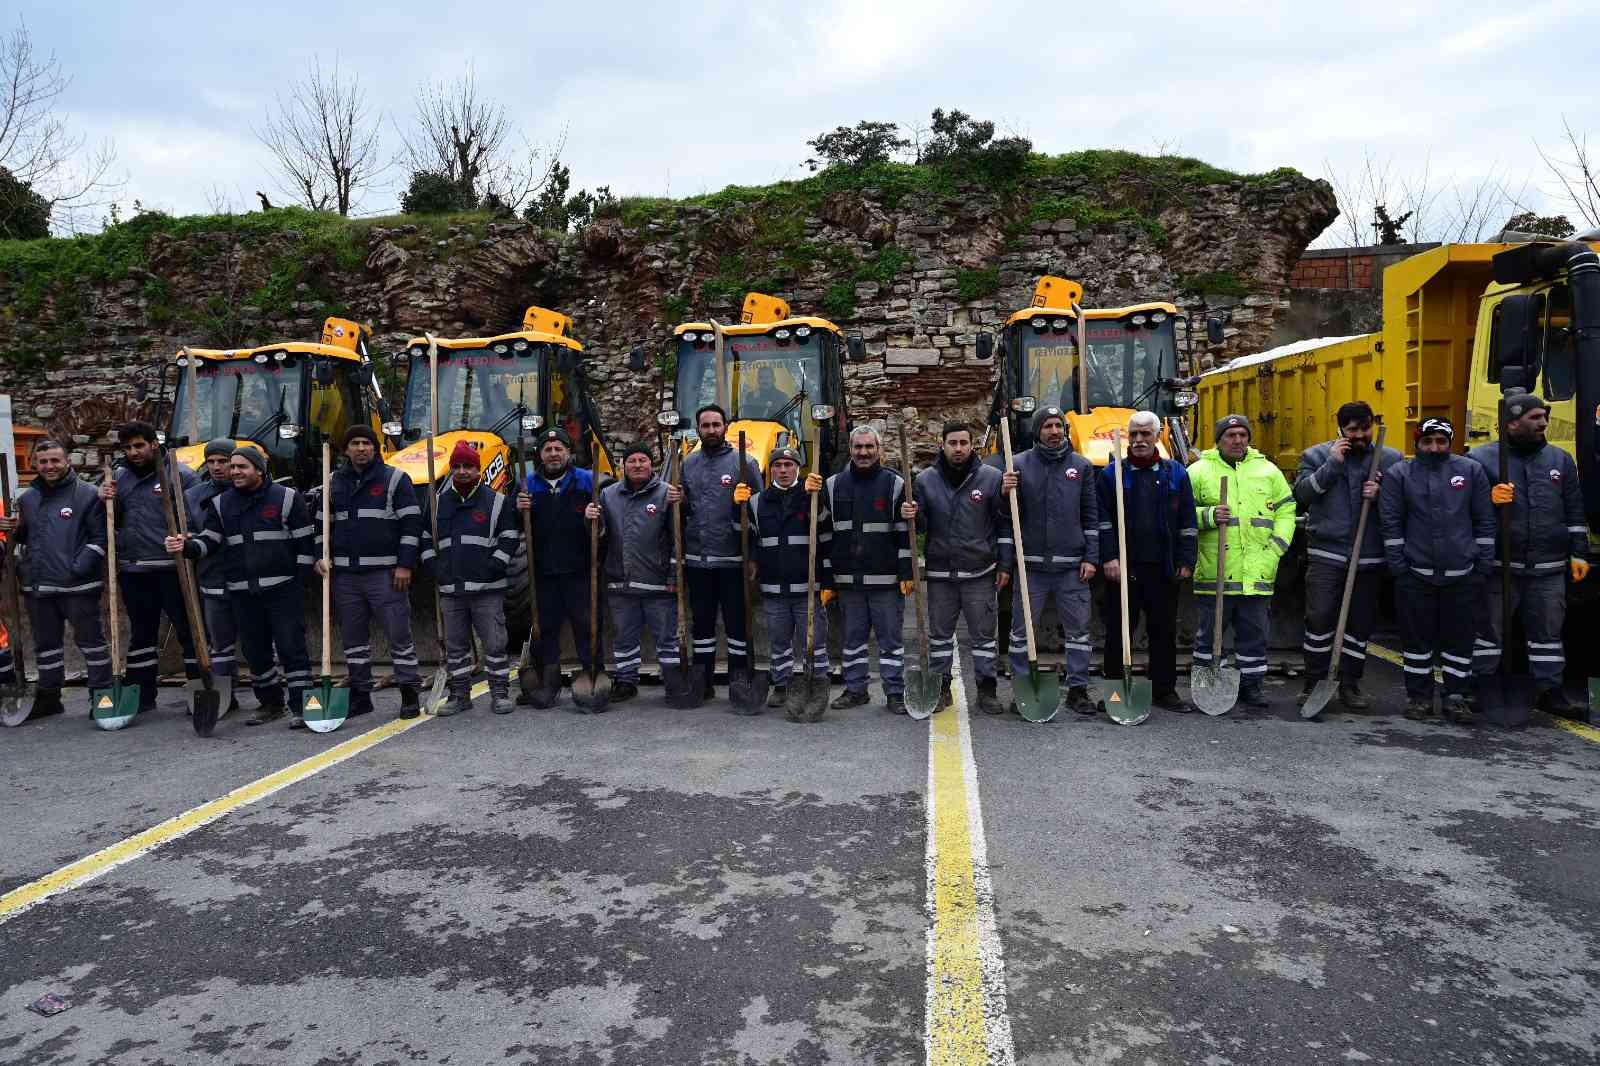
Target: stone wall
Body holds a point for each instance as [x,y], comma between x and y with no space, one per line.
[918,273]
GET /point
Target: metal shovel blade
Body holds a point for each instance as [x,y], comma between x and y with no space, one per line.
[924,692]
[1594,699]
[114,707]
[1320,696]
[1214,689]
[685,685]
[207,709]
[592,692]
[540,690]
[325,707]
[806,699]
[14,709]
[437,693]
[1038,695]
[747,690]
[1507,699]
[1128,700]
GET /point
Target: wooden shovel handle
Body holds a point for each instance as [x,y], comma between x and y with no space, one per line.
[1355,560]
[1222,571]
[1122,555]
[1016,543]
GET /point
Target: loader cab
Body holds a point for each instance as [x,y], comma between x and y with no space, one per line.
[780,377]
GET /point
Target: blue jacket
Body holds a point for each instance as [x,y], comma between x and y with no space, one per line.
[560,532]
[1548,526]
[1168,512]
[198,498]
[1329,495]
[780,531]
[377,522]
[637,525]
[871,546]
[708,480]
[1438,522]
[1060,513]
[62,539]
[962,522]
[141,527]
[264,537]
[477,537]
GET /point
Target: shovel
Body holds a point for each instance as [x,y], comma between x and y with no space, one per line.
[207,706]
[14,708]
[592,691]
[1507,698]
[747,686]
[436,691]
[530,670]
[1038,695]
[1323,691]
[685,683]
[114,707]
[924,687]
[326,707]
[1128,700]
[807,697]
[1215,688]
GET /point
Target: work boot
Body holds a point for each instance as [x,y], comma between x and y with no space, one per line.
[500,702]
[1354,699]
[944,694]
[360,702]
[711,681]
[410,707]
[267,712]
[1458,711]
[895,704]
[988,703]
[1419,710]
[777,695]
[46,701]
[458,703]
[1170,701]
[1081,703]
[1554,701]
[849,698]
[623,691]
[1254,696]
[296,722]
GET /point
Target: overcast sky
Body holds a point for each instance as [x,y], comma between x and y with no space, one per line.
[659,100]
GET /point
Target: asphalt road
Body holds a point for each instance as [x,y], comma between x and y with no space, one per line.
[655,886]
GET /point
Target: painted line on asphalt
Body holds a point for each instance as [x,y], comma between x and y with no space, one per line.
[110,857]
[1578,729]
[966,1019]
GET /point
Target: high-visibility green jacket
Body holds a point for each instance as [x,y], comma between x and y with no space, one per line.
[1259,531]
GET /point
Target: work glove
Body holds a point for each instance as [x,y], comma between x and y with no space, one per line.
[1579,569]
[741,493]
[906,587]
[813,482]
[1505,492]
[827,596]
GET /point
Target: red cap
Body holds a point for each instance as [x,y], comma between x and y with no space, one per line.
[464,454]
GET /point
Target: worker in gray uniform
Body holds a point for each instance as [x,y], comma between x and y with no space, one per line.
[635,516]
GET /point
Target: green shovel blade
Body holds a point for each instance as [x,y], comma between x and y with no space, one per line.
[1128,701]
[325,707]
[1038,694]
[114,707]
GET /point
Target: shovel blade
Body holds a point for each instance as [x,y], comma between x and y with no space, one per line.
[114,707]
[1594,698]
[14,709]
[1321,695]
[1507,699]
[1127,700]
[1214,689]
[207,709]
[540,690]
[807,697]
[437,693]
[685,686]
[924,692]
[1038,695]
[325,707]
[592,692]
[747,690]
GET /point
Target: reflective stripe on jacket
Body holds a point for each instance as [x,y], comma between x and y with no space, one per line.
[1259,531]
[264,537]
[62,540]
[1438,521]
[208,571]
[1060,513]
[377,521]
[962,522]
[638,531]
[709,538]
[1329,495]
[870,543]
[780,535]
[1548,527]
[478,536]
[141,525]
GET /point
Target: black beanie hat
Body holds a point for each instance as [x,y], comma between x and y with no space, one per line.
[221,446]
[359,431]
[256,459]
[1227,422]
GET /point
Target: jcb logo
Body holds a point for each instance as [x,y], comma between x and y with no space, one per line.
[497,468]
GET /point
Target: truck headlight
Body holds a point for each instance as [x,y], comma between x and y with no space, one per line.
[1186,397]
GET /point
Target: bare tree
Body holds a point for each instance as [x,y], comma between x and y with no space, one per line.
[1576,172]
[1377,202]
[324,140]
[36,146]
[472,142]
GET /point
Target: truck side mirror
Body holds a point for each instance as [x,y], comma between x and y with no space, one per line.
[855,347]
[1515,362]
[986,346]
[636,359]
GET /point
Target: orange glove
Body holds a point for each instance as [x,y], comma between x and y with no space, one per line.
[813,482]
[827,596]
[906,587]
[1579,569]
[1503,493]
[741,493]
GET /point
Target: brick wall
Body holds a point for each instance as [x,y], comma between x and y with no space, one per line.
[1349,268]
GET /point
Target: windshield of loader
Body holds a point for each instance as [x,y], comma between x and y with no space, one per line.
[764,376]
[479,388]
[243,400]
[1123,365]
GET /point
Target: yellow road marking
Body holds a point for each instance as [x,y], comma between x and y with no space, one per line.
[1587,732]
[966,998]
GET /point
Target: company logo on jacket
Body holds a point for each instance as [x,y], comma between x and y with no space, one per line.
[727,479]
[65,512]
[1072,473]
[1555,475]
[977,495]
[1458,482]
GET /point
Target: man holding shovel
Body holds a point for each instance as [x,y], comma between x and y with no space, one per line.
[1549,541]
[377,540]
[1162,540]
[1331,487]
[1259,521]
[780,521]
[558,493]
[263,533]
[959,506]
[59,533]
[478,534]
[636,518]
[220,630]
[1061,544]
